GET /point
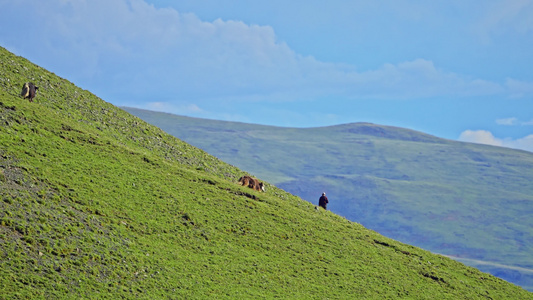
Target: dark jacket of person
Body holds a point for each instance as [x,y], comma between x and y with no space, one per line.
[323,201]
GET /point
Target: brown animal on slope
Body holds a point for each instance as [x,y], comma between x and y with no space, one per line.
[245,180]
[258,185]
[252,183]
[28,91]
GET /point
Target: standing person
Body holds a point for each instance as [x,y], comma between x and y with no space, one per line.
[323,201]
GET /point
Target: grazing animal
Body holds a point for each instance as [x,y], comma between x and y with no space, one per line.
[245,180]
[258,185]
[28,91]
[252,183]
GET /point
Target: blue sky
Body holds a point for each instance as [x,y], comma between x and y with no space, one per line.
[460,70]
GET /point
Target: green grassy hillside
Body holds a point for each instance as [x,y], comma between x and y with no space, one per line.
[469,201]
[98,204]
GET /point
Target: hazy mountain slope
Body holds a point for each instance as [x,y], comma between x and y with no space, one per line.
[465,200]
[98,204]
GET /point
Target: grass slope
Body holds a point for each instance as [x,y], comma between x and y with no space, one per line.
[469,201]
[96,203]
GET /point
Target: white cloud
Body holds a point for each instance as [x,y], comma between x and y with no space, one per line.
[182,109]
[420,78]
[528,123]
[519,89]
[513,121]
[507,121]
[487,138]
[525,143]
[479,137]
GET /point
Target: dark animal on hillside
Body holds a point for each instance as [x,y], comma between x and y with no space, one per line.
[252,183]
[28,91]
[245,180]
[258,185]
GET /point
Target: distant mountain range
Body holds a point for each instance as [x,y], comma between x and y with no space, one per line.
[471,202]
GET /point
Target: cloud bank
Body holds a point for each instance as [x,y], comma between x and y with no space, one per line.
[133,52]
[487,138]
